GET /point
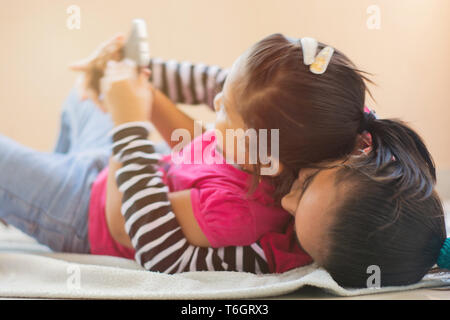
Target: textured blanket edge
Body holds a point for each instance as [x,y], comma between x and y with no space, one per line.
[87,277]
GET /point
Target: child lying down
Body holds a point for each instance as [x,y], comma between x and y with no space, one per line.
[359,190]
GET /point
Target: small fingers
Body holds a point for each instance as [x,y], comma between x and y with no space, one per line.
[144,75]
[112,48]
[117,74]
[123,69]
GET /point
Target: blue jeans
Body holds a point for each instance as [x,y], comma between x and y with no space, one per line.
[46,194]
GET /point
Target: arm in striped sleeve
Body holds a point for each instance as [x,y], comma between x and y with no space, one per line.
[150,222]
[184,82]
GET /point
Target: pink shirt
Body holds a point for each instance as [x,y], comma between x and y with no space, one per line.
[227,215]
[100,240]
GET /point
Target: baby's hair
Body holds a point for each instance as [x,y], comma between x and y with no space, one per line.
[391,215]
[318,116]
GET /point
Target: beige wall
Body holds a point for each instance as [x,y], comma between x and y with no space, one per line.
[409,55]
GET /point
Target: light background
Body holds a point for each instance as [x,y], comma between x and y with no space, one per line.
[409,55]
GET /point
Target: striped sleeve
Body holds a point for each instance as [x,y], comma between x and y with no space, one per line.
[184,82]
[155,234]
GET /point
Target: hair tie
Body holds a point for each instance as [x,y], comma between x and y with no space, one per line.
[317,63]
[444,256]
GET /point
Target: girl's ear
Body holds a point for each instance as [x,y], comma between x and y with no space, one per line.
[363,142]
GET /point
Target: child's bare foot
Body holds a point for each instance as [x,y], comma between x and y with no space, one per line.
[92,68]
[84,92]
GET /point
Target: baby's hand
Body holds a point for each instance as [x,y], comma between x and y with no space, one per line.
[126,96]
[93,68]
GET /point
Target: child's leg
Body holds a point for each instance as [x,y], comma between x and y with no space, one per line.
[83,126]
[47,195]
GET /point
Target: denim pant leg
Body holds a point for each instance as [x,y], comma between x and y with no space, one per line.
[84,126]
[46,195]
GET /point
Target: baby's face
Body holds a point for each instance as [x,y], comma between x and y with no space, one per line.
[311,201]
[227,115]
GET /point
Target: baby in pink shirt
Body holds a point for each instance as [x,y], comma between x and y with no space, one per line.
[225,211]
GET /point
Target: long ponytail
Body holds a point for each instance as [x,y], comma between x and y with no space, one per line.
[399,154]
[390,216]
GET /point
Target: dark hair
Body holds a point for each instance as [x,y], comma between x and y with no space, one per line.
[318,116]
[391,215]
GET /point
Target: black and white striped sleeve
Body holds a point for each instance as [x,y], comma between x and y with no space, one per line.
[155,234]
[184,82]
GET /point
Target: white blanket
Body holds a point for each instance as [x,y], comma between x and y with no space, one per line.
[30,270]
[82,276]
